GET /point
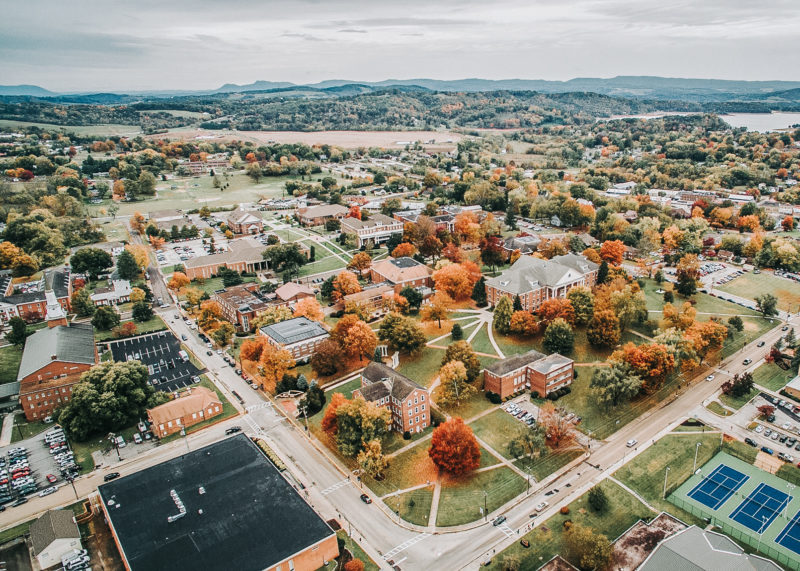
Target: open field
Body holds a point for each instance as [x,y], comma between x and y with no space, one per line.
[461,500]
[772,377]
[24,429]
[10,357]
[154,324]
[413,506]
[706,305]
[749,285]
[100,130]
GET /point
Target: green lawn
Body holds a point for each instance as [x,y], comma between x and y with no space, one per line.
[546,540]
[83,450]
[405,471]
[771,376]
[718,409]
[358,553]
[548,464]
[461,500]
[737,402]
[704,303]
[472,407]
[24,429]
[211,285]
[422,367]
[481,343]
[154,324]
[414,506]
[749,285]
[327,263]
[583,352]
[497,429]
[10,357]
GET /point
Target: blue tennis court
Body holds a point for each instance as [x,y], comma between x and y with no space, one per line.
[718,486]
[760,508]
[790,536]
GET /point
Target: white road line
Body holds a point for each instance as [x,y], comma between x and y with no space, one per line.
[507,530]
[405,545]
[259,406]
[335,487]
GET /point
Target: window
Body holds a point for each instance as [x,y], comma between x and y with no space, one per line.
[169,424]
[416,410]
[423,408]
[423,416]
[416,400]
[194,415]
[416,420]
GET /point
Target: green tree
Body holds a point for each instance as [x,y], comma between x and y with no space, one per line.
[586,548]
[767,304]
[530,442]
[142,312]
[559,337]
[602,273]
[737,323]
[91,261]
[127,268]
[479,292]
[454,385]
[517,303]
[686,285]
[284,257]
[583,304]
[18,332]
[413,297]
[615,384]
[456,333]
[82,303]
[502,314]
[511,219]
[669,297]
[105,318]
[598,500]
[326,290]
[222,334]
[462,351]
[359,422]
[402,333]
[147,183]
[371,459]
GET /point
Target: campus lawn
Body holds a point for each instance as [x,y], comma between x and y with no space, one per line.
[704,303]
[645,473]
[211,285]
[754,327]
[422,367]
[481,342]
[461,499]
[583,351]
[154,324]
[355,549]
[749,285]
[540,468]
[24,429]
[327,263]
[10,357]
[471,407]
[772,377]
[718,409]
[394,441]
[414,506]
[737,402]
[406,470]
[546,540]
[497,429]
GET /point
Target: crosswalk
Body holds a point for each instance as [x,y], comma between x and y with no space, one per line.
[335,487]
[405,545]
[507,530]
[258,406]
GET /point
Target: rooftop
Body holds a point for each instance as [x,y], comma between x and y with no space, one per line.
[242,250]
[192,400]
[241,297]
[529,273]
[554,361]
[373,220]
[290,289]
[398,270]
[73,343]
[379,380]
[513,363]
[325,210]
[240,512]
[294,330]
[52,525]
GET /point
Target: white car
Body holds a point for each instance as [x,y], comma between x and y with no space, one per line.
[540,506]
[710,378]
[759,429]
[786,426]
[47,491]
[631,443]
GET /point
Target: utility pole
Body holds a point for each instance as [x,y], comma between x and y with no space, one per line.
[666,473]
[185,439]
[696,448]
[72,481]
[485,510]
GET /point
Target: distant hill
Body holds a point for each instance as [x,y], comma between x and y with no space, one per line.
[32,90]
[255,86]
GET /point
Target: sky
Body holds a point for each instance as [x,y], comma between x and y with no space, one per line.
[102,45]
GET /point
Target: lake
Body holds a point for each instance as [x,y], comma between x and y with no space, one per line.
[761,122]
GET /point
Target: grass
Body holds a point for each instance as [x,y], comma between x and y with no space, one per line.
[461,500]
[154,324]
[358,553]
[228,410]
[553,461]
[89,130]
[737,402]
[718,409]
[414,506]
[23,429]
[211,285]
[546,540]
[704,303]
[10,357]
[472,407]
[497,429]
[750,284]
[406,470]
[772,377]
[83,450]
[583,352]
[423,367]
[321,264]
[645,473]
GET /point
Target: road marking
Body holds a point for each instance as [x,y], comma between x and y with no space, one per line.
[259,406]
[507,530]
[405,545]
[254,425]
[335,487]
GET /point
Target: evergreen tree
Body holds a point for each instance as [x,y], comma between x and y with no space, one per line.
[517,303]
[479,292]
[18,331]
[502,314]
[127,268]
[511,219]
[602,273]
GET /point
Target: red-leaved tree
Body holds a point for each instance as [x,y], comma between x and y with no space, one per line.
[454,448]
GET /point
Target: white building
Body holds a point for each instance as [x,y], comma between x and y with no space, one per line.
[53,535]
[378,228]
[119,292]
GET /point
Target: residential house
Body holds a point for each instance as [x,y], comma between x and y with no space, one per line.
[401,273]
[54,534]
[300,336]
[240,304]
[243,255]
[535,280]
[319,215]
[242,222]
[118,292]
[193,406]
[532,370]
[408,401]
[292,292]
[31,303]
[378,228]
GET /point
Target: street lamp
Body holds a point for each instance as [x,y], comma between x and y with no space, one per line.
[666,473]
[485,504]
[696,449]
[760,533]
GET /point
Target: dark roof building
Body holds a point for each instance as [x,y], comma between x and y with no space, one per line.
[67,344]
[505,366]
[294,330]
[224,506]
[408,401]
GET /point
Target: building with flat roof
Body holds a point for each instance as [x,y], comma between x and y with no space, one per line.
[240,304]
[224,506]
[54,534]
[532,370]
[407,401]
[299,335]
[401,272]
[378,228]
[192,406]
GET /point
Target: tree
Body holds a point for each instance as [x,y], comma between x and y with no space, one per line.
[403,250]
[328,423]
[284,257]
[455,280]
[371,459]
[273,363]
[530,442]
[359,422]
[502,314]
[615,384]
[586,548]
[326,358]
[454,448]
[82,303]
[147,183]
[479,292]
[18,332]
[309,307]
[462,351]
[682,319]
[612,251]
[598,500]
[127,329]
[105,318]
[229,277]
[109,396]
[739,386]
[559,337]
[787,223]
[142,312]
[583,304]
[629,305]
[402,333]
[136,222]
[127,268]
[356,339]
[492,253]
[603,329]
[193,295]
[354,565]
[412,296]
[558,428]
[271,315]
[360,262]
[555,308]
[178,281]
[251,348]
[766,410]
[222,335]
[688,273]
[707,337]
[602,273]
[650,361]
[345,283]
[138,294]
[456,333]
[253,170]
[767,304]
[523,323]
[454,384]
[437,308]
[91,261]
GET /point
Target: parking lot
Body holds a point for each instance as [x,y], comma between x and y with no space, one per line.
[160,353]
[178,252]
[781,434]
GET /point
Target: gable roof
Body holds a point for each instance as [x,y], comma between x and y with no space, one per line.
[554,361]
[529,273]
[52,525]
[324,210]
[396,270]
[294,330]
[373,220]
[290,289]
[73,343]
[509,364]
[242,250]
[240,216]
[379,380]
[192,401]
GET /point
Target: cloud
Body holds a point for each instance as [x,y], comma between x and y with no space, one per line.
[307,37]
[352,31]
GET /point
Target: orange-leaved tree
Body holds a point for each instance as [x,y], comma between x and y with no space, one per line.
[273,364]
[523,323]
[178,281]
[355,337]
[344,284]
[309,307]
[403,250]
[455,280]
[554,308]
[651,361]
[437,308]
[329,425]
[251,348]
[360,262]
[612,251]
[454,448]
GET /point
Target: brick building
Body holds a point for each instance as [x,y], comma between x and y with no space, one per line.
[318,215]
[240,304]
[242,222]
[408,401]
[401,272]
[378,228]
[31,305]
[535,280]
[300,336]
[373,300]
[243,255]
[292,292]
[193,406]
[532,370]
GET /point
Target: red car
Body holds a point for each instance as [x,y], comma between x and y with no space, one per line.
[19,475]
[4,481]
[51,478]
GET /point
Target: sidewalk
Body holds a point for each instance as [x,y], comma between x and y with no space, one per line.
[8,427]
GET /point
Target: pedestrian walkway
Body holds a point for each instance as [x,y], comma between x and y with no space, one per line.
[8,427]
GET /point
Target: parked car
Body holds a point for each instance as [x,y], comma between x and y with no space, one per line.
[710,378]
[366,499]
[760,344]
[233,430]
[751,442]
[47,491]
[767,450]
[110,476]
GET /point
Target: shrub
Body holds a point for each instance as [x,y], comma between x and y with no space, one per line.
[494,398]
[534,395]
[437,417]
[406,435]
[564,510]
[457,333]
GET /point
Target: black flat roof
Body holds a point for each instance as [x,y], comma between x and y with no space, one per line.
[251,519]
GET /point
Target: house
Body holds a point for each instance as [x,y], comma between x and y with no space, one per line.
[193,406]
[535,280]
[378,228]
[224,506]
[291,292]
[525,244]
[725,255]
[243,255]
[31,304]
[300,336]
[631,216]
[118,292]
[373,300]
[532,370]
[408,401]
[242,222]
[53,360]
[401,272]
[54,534]
[319,215]
[622,188]
[240,304]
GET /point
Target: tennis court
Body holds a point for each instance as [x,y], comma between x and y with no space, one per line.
[718,486]
[760,508]
[790,536]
